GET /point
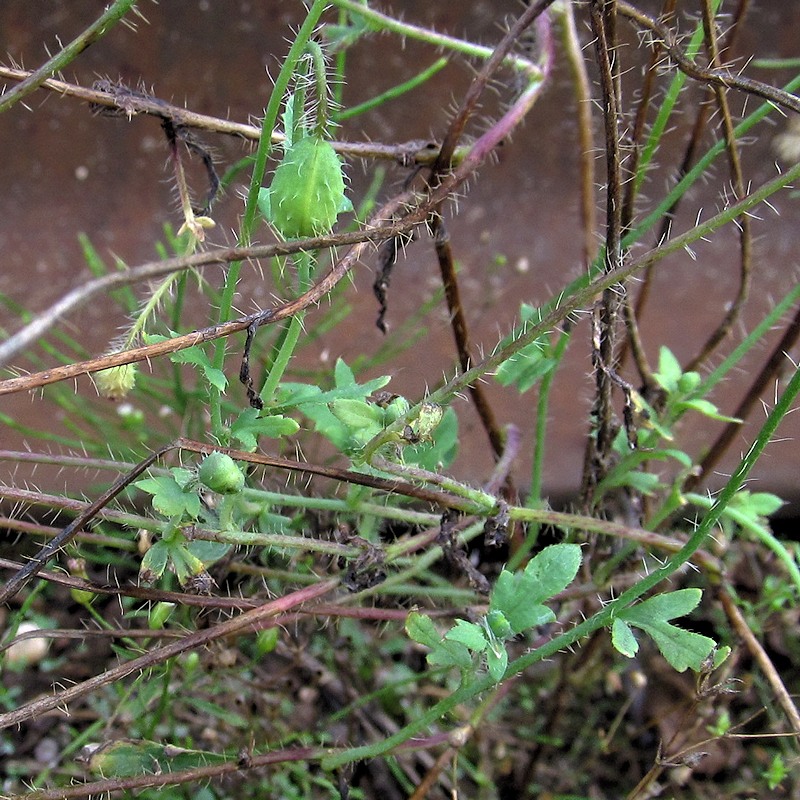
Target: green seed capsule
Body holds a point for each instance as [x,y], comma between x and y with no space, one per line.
[307,191]
[688,382]
[116,382]
[220,473]
[498,624]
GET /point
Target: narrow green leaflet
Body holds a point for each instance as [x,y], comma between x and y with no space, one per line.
[706,408]
[248,426]
[681,648]
[756,506]
[669,370]
[553,569]
[527,367]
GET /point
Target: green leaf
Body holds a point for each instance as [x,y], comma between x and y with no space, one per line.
[518,596]
[301,395]
[444,653]
[681,648]
[358,414]
[645,482]
[169,498]
[511,597]
[706,408]
[154,562]
[207,552]
[623,639]
[527,367]
[421,629]
[553,569]
[450,654]
[468,634]
[756,505]
[248,426]
[196,356]
[669,371]
[342,374]
[317,405]
[192,355]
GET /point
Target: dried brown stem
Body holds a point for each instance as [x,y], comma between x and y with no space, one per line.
[761,658]
[255,619]
[738,183]
[458,324]
[721,76]
[605,328]
[419,152]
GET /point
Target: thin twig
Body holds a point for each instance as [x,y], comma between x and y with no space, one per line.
[254,619]
[720,76]
[605,329]
[33,80]
[761,658]
[417,151]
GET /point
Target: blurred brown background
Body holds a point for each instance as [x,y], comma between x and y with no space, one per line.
[516,234]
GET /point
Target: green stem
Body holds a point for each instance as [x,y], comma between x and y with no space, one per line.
[384,22]
[760,532]
[321,85]
[393,93]
[259,167]
[534,498]
[583,297]
[288,344]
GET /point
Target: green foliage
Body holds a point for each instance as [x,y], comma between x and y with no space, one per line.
[252,423]
[516,605]
[267,535]
[681,648]
[174,495]
[530,363]
[777,771]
